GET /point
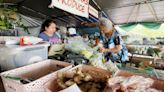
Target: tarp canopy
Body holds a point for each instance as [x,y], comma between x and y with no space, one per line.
[119,11]
[142,29]
[40,9]
[126,11]
[150,25]
[30,22]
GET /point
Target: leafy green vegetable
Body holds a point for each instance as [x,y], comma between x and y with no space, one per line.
[153,51]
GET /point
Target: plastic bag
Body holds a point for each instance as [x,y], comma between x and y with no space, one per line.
[75,46]
[111,66]
[96,60]
[135,82]
[130,84]
[79,47]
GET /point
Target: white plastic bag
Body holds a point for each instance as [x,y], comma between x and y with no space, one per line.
[130,84]
[111,66]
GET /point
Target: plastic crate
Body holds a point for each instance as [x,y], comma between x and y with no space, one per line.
[158,84]
[41,72]
[93,71]
[15,56]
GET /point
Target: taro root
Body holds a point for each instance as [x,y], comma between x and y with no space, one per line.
[87,77]
[61,84]
[69,82]
[84,80]
[78,79]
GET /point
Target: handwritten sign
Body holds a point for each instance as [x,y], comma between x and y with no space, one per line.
[77,7]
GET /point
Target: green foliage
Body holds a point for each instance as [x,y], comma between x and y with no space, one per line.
[20,24]
[153,51]
[157,51]
[150,51]
[1,1]
[7,23]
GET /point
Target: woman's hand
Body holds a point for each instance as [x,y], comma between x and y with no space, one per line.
[94,24]
[104,49]
[85,23]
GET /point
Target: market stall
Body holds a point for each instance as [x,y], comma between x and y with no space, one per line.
[80,57]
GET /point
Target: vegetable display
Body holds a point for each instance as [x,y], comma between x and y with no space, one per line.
[84,80]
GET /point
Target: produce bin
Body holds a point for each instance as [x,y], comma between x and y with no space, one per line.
[40,72]
[15,56]
[51,86]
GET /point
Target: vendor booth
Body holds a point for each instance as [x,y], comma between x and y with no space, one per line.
[82,45]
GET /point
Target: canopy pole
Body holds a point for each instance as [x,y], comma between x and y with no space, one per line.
[152,10]
[131,12]
[137,13]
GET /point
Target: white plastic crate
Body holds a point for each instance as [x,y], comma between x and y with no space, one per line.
[41,72]
[93,71]
[15,56]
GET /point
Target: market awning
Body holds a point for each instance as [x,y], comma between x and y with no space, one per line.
[148,25]
[40,9]
[143,29]
[127,11]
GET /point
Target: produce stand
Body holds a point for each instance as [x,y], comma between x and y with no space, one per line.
[76,63]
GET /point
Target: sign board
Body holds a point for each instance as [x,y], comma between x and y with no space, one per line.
[77,7]
[93,11]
